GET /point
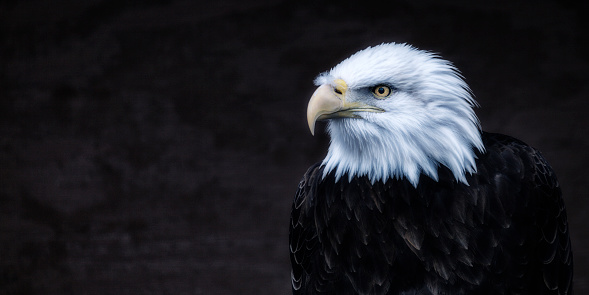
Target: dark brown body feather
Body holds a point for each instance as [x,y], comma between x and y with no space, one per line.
[504,233]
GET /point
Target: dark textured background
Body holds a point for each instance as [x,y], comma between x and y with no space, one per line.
[154,147]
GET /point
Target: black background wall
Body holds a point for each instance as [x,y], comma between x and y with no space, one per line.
[154,147]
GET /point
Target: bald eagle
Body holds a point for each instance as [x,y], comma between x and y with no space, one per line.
[413,198]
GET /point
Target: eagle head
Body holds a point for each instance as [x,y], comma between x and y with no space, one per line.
[394,111]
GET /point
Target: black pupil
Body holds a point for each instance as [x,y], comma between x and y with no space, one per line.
[381,90]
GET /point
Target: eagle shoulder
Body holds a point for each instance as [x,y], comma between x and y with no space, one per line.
[529,207]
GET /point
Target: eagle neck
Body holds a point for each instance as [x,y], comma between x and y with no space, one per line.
[359,149]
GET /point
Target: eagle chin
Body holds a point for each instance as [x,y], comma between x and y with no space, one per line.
[413,198]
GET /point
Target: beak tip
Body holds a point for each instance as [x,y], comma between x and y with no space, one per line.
[312,128]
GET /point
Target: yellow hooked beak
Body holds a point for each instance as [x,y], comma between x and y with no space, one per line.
[330,102]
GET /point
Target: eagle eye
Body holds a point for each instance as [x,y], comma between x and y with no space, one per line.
[381,91]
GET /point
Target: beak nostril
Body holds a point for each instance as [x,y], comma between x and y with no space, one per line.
[337,91]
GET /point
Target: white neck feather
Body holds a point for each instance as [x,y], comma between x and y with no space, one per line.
[382,153]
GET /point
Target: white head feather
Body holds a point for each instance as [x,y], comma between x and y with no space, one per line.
[428,119]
